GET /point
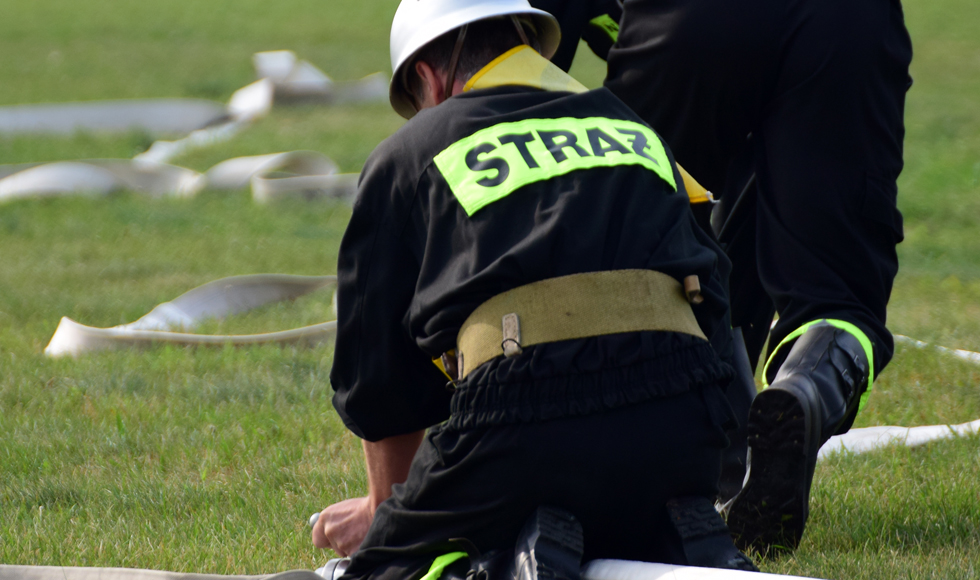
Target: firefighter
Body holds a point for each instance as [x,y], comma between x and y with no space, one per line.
[522,278]
[792,113]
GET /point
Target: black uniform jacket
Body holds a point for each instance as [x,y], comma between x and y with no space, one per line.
[414,263]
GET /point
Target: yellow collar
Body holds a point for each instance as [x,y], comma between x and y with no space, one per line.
[522,65]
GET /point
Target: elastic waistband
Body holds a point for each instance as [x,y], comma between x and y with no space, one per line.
[581,377]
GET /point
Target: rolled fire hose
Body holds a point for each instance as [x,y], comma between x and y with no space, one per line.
[213,300]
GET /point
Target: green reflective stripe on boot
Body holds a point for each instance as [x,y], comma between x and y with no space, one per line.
[440,564]
[842,325]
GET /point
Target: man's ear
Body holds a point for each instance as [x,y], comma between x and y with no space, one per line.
[433,85]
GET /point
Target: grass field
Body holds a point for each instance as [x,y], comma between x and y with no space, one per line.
[211,460]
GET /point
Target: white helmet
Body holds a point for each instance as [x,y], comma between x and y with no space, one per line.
[418,22]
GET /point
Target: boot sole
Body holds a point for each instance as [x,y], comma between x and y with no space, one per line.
[770,513]
[558,546]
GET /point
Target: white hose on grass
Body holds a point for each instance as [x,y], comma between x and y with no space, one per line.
[169,321]
[870,438]
[966,355]
[630,570]
[594,570]
[12,572]
[241,293]
[282,78]
[305,174]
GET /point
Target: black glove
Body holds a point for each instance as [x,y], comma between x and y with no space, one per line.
[602,30]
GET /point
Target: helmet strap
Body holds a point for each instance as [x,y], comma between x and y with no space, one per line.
[454,60]
[520,30]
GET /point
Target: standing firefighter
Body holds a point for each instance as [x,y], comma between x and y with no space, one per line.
[799,105]
[532,238]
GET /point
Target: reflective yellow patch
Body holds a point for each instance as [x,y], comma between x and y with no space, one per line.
[494,162]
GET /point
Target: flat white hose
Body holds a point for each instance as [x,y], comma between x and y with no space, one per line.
[168,322]
[282,78]
[870,438]
[630,570]
[11,572]
[594,570]
[966,355]
[305,174]
[152,115]
[241,293]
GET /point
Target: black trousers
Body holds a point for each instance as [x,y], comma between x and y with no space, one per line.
[809,96]
[613,470]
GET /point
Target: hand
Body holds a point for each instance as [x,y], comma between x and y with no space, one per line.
[342,526]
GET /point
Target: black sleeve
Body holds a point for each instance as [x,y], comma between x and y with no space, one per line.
[384,384]
[713,314]
[595,21]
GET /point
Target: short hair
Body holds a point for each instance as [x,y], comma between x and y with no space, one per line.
[485,40]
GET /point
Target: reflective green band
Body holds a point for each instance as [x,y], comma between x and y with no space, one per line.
[608,25]
[845,326]
[494,162]
[440,564]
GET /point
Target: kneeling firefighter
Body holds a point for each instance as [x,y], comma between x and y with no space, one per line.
[533,239]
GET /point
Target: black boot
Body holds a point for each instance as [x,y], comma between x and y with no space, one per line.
[549,546]
[814,395]
[704,536]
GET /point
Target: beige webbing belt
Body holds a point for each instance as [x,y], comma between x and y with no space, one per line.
[576,306]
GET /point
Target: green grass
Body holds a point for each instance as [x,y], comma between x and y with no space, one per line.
[170,458]
[897,513]
[211,460]
[175,460]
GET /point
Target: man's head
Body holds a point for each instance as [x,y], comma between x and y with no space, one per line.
[436,45]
